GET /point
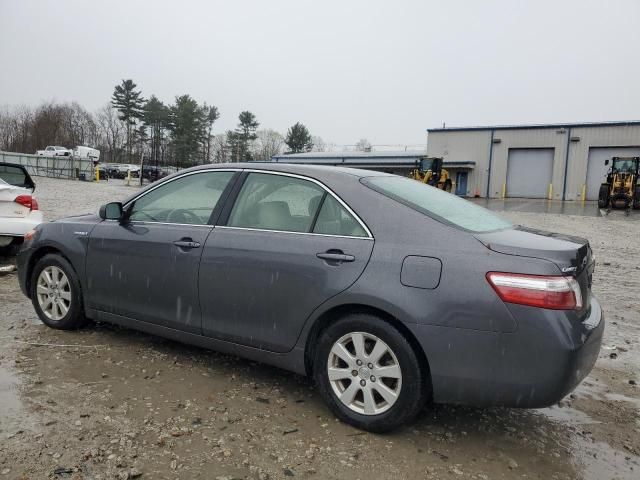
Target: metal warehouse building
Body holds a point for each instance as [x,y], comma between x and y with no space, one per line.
[557,161]
[400,163]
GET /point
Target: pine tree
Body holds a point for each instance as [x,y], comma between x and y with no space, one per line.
[156,116]
[298,139]
[129,103]
[243,134]
[211,114]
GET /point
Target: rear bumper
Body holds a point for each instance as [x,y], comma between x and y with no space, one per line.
[17,227]
[536,366]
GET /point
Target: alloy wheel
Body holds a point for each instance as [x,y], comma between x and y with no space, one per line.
[54,292]
[364,373]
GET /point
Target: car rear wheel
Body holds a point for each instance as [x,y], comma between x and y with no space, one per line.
[369,374]
[56,294]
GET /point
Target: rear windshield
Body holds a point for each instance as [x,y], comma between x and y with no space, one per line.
[440,205]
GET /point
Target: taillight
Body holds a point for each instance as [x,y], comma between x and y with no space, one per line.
[553,292]
[27,201]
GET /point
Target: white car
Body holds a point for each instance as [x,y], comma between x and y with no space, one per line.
[54,151]
[19,211]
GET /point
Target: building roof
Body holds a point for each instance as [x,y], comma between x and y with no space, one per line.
[400,160]
[624,123]
[351,155]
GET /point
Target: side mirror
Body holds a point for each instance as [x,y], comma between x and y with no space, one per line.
[606,162]
[111,211]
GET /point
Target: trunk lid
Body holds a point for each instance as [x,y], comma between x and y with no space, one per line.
[572,255]
[9,208]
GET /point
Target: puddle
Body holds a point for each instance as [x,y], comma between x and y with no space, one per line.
[11,410]
[595,460]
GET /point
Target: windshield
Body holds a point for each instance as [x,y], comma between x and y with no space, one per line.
[426,164]
[624,165]
[440,205]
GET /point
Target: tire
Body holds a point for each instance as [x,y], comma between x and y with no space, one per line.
[378,414]
[636,198]
[57,302]
[448,186]
[603,196]
[10,250]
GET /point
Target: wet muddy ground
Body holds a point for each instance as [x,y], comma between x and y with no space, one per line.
[105,402]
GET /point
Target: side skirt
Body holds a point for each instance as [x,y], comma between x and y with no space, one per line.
[292,361]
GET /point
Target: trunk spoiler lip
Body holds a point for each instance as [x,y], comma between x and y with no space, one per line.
[571,254]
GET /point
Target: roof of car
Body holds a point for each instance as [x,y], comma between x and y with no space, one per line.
[311,170]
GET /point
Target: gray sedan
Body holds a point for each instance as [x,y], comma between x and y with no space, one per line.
[388,292]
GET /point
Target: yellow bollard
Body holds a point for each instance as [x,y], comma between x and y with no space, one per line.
[97,174]
[550,196]
[504,190]
[583,196]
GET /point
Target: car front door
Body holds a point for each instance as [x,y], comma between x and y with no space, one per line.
[285,246]
[146,266]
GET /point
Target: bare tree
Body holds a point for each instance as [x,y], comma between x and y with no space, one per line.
[219,149]
[318,144]
[111,133]
[267,144]
[363,145]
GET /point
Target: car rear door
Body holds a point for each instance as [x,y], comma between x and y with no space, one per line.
[286,245]
[146,267]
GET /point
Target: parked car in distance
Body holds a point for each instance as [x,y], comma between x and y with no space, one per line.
[125,168]
[388,292]
[19,212]
[54,151]
[153,173]
[86,152]
[121,170]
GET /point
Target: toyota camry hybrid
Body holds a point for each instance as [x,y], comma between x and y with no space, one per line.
[388,292]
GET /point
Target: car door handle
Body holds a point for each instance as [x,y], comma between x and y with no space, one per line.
[335,257]
[186,243]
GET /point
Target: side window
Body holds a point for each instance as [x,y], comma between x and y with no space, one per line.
[189,200]
[49,149]
[276,202]
[334,219]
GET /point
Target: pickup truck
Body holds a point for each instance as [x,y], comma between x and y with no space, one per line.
[54,151]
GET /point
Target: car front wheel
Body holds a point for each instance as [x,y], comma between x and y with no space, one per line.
[56,293]
[369,374]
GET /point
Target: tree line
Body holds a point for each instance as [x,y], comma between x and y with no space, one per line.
[131,127]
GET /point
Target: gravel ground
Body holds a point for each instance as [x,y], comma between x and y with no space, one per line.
[106,402]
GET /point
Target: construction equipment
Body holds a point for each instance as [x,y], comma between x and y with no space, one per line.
[430,171]
[622,187]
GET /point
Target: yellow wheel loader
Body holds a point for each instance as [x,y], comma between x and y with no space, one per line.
[622,187]
[430,171]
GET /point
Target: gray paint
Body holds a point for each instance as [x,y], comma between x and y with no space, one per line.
[480,350]
[529,172]
[421,272]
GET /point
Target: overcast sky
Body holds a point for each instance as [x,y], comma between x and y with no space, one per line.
[384,70]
